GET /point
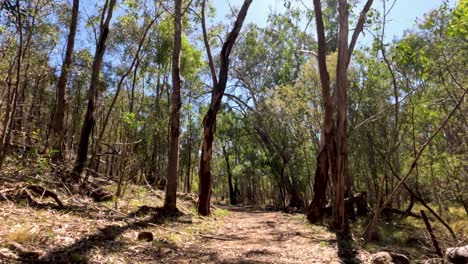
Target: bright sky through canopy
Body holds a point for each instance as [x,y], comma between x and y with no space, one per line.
[402,17]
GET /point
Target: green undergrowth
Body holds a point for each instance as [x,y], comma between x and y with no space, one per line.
[320,231]
[134,197]
[221,213]
[409,236]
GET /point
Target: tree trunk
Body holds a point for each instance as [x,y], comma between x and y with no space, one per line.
[59,117]
[326,155]
[349,196]
[334,144]
[342,119]
[173,162]
[461,199]
[232,196]
[88,122]
[205,163]
[314,212]
[21,94]
[189,151]
[209,124]
[155,170]
[293,187]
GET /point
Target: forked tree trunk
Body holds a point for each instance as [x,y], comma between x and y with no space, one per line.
[174,140]
[333,154]
[59,117]
[88,123]
[219,86]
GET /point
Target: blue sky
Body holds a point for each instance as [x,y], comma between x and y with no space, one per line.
[402,17]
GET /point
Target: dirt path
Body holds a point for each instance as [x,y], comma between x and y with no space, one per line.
[252,236]
[90,233]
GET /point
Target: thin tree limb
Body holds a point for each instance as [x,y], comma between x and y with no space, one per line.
[359,27]
[207,46]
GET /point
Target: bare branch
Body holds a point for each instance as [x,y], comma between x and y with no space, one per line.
[311,52]
[207,46]
[359,27]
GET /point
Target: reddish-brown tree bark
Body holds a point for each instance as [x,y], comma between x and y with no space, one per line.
[333,155]
[339,175]
[209,123]
[325,160]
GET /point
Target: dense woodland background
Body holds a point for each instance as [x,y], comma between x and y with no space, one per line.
[104,104]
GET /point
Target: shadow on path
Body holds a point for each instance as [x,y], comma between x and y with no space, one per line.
[249,210]
[105,238]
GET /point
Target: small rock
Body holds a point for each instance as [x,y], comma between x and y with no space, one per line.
[457,255]
[145,236]
[381,258]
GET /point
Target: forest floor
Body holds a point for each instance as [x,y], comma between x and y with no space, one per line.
[84,231]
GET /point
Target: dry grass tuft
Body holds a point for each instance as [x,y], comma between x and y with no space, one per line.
[23,235]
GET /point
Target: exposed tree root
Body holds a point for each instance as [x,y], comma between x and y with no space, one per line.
[29,193]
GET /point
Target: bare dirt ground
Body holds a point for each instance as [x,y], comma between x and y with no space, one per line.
[254,236]
[83,231]
[240,235]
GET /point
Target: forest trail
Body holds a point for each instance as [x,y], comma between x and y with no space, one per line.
[253,236]
[88,232]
